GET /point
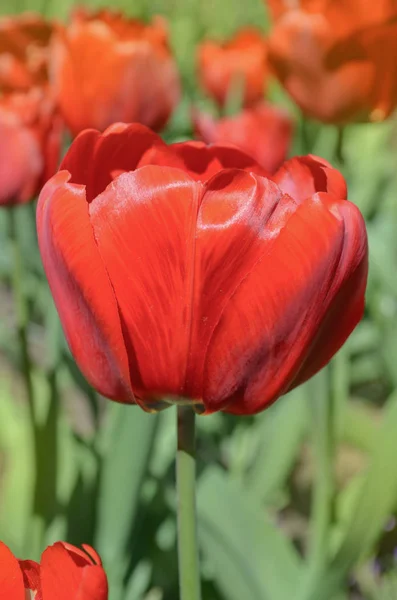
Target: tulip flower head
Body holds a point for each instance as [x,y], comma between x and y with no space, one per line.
[337,58]
[107,68]
[236,66]
[264,132]
[30,126]
[30,139]
[64,573]
[181,272]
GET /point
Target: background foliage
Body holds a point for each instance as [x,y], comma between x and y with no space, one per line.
[298,502]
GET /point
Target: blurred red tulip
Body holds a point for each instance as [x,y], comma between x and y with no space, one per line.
[234,66]
[106,68]
[264,132]
[64,573]
[24,42]
[30,140]
[336,58]
[30,126]
[176,280]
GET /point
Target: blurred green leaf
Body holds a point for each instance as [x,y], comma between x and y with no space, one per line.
[375,503]
[279,432]
[125,464]
[17,477]
[250,556]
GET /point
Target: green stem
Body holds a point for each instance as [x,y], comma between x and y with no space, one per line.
[189,571]
[21,310]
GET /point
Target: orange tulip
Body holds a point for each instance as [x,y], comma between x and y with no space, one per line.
[24,43]
[240,63]
[336,58]
[107,68]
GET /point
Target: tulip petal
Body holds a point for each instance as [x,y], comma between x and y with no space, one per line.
[64,578]
[347,294]
[303,176]
[81,288]
[94,585]
[88,66]
[31,577]
[237,66]
[231,230]
[144,225]
[120,148]
[268,326]
[263,132]
[203,162]
[11,578]
[22,163]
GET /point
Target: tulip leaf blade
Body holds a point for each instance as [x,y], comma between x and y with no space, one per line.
[251,558]
[123,471]
[369,514]
[277,453]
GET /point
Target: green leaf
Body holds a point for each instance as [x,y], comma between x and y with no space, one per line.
[17,478]
[124,468]
[374,505]
[250,557]
[276,453]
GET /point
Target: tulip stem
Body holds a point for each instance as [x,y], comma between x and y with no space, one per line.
[189,571]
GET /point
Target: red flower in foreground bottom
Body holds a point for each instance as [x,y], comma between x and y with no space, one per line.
[175,277]
[64,573]
[264,132]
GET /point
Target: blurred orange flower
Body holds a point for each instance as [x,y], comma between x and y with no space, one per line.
[337,59]
[263,132]
[24,42]
[239,64]
[108,68]
[30,126]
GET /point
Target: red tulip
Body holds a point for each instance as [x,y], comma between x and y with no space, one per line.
[106,68]
[64,573]
[238,63]
[331,58]
[213,285]
[264,132]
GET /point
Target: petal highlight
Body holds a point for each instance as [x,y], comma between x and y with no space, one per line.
[144,225]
